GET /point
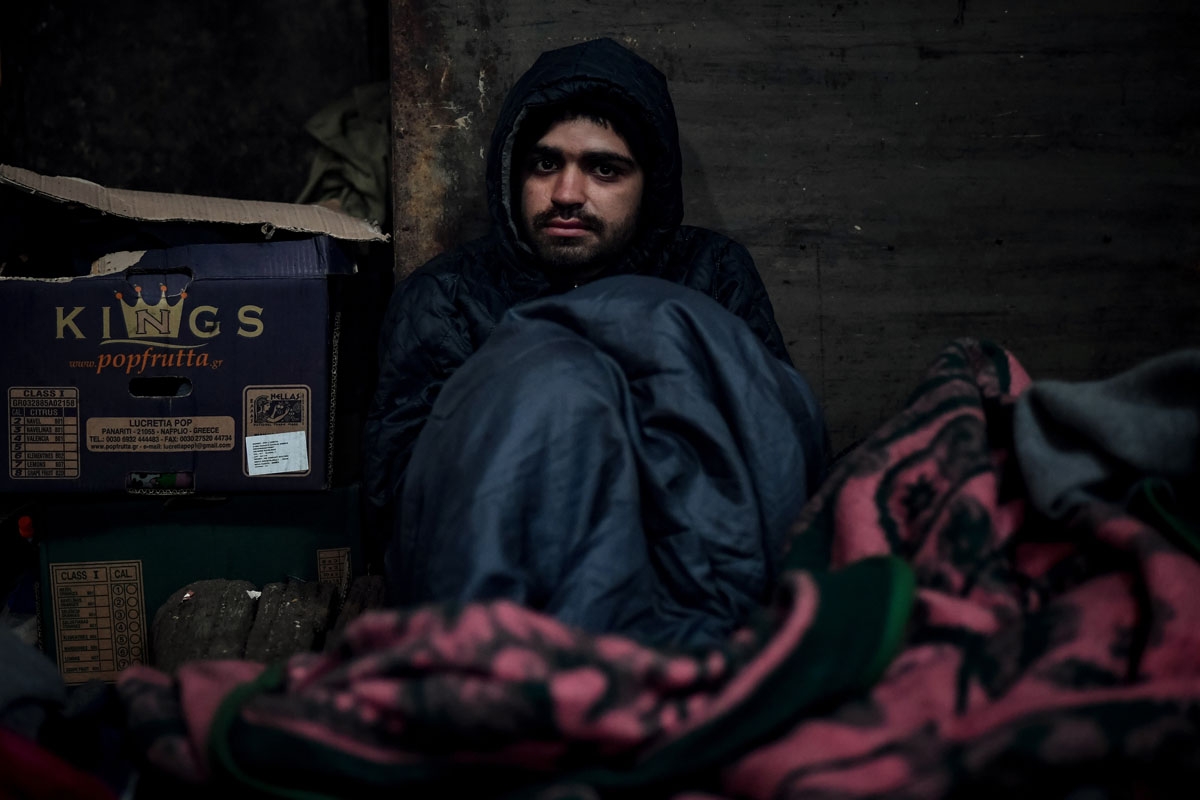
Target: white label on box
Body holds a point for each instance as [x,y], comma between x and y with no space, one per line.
[275,453]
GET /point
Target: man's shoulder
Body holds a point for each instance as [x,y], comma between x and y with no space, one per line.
[702,253]
[696,234]
[472,267]
[475,278]
[476,257]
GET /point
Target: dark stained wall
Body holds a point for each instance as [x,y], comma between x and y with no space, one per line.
[201,98]
[904,171]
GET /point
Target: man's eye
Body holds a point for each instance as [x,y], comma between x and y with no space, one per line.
[605,171]
[544,165]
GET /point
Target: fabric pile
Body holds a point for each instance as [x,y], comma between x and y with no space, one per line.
[350,168]
[943,627]
[55,744]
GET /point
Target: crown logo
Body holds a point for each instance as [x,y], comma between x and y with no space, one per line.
[145,321]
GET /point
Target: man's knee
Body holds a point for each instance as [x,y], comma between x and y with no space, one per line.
[528,370]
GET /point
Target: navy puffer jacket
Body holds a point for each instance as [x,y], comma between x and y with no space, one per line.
[443,313]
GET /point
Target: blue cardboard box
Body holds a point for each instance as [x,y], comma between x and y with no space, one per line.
[198,356]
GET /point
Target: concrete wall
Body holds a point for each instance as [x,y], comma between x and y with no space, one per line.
[904,171]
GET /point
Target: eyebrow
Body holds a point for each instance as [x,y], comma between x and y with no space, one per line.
[542,151]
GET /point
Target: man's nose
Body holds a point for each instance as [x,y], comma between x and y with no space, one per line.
[569,187]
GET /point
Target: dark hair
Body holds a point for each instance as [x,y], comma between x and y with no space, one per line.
[600,109]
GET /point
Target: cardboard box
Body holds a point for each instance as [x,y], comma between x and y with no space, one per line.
[200,355]
[107,565]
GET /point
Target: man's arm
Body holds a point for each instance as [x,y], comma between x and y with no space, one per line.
[422,341]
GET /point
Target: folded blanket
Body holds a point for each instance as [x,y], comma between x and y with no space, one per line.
[1091,441]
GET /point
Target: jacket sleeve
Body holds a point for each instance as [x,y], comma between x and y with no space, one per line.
[739,288]
[423,340]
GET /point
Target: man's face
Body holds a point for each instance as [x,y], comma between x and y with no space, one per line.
[581,193]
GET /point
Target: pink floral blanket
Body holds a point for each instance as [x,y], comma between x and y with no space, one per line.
[932,636]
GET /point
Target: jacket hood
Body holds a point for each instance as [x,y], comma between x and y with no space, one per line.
[604,69]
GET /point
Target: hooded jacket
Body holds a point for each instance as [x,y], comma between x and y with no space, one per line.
[444,311]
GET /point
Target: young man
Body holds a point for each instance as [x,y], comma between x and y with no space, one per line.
[591,410]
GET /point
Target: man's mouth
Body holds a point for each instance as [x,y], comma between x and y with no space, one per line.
[566,227]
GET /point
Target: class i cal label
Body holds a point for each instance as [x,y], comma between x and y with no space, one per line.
[99,618]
